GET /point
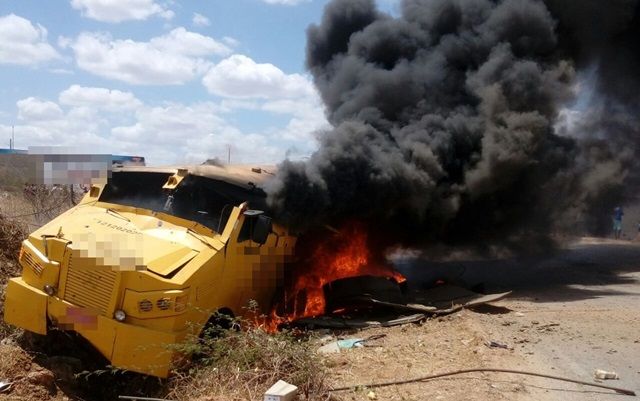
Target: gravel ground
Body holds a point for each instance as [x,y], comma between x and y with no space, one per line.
[569,315]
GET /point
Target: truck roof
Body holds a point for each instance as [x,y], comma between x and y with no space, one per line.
[246,176]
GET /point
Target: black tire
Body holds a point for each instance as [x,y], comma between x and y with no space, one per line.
[221,320]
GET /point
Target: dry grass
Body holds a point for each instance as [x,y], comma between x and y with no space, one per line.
[21,210]
[46,202]
[35,205]
[11,235]
[241,365]
[12,232]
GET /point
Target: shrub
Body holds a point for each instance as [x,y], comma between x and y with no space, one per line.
[11,235]
[228,364]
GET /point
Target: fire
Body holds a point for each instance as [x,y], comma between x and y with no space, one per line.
[339,256]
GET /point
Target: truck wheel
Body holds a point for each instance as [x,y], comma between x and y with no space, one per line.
[221,320]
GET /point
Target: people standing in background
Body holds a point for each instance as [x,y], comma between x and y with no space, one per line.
[617,221]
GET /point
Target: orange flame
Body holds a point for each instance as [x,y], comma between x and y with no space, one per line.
[341,256]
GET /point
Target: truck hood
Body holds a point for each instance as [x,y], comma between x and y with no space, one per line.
[124,240]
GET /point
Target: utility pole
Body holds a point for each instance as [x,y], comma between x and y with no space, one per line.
[229,154]
[12,142]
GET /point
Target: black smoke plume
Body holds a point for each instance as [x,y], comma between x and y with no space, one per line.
[455,123]
[603,40]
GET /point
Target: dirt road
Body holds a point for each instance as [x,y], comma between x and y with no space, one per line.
[569,315]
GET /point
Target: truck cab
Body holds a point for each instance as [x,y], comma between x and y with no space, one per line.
[148,257]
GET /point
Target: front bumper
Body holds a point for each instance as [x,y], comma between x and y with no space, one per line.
[25,306]
[129,347]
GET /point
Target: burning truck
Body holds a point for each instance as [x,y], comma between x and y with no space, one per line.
[148,257]
[155,255]
[483,125]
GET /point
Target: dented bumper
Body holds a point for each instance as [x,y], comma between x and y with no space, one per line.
[126,346]
[25,306]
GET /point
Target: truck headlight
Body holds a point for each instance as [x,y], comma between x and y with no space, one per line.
[119,315]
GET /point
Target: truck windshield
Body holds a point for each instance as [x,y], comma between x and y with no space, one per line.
[204,200]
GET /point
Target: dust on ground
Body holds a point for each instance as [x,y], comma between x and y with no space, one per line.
[30,381]
[569,315]
[437,345]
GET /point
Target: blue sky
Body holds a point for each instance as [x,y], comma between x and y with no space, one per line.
[175,81]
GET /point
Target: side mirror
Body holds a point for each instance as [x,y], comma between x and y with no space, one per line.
[257,227]
[261,229]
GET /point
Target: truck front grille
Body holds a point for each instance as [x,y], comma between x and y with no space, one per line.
[90,288]
[27,258]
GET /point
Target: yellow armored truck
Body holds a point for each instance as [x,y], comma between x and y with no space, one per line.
[150,257]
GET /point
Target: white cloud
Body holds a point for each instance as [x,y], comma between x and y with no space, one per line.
[161,123]
[61,71]
[181,41]
[246,84]
[195,133]
[34,109]
[240,77]
[233,42]
[45,123]
[112,121]
[98,98]
[285,2]
[23,43]
[120,10]
[200,20]
[171,59]
[64,41]
[307,117]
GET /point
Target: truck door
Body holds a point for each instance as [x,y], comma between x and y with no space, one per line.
[255,251]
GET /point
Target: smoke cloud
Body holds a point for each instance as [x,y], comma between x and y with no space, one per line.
[470,122]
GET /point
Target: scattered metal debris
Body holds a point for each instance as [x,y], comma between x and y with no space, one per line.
[281,391]
[349,343]
[605,375]
[5,386]
[495,344]
[353,293]
[383,311]
[348,322]
[330,348]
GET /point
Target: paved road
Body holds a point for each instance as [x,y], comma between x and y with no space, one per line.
[569,315]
